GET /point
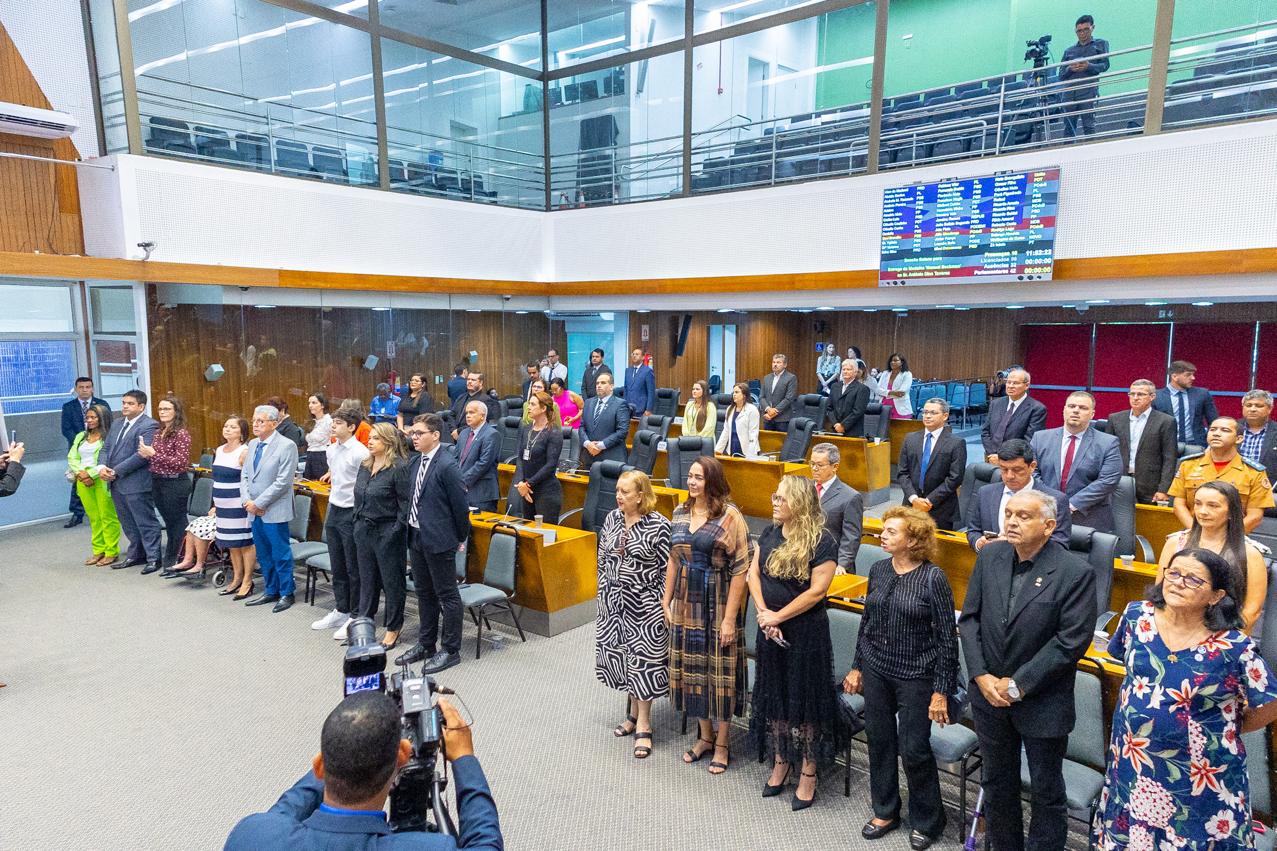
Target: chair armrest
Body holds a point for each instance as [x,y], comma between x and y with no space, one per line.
[1102,622]
[1146,549]
[566,515]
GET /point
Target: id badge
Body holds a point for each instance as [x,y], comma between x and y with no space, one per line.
[527,455]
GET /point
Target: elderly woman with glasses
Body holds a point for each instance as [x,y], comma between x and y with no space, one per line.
[1194,684]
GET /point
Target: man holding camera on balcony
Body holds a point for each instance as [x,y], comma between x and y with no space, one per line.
[1085,60]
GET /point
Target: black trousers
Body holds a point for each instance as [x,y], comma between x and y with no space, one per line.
[381,566]
[170,498]
[435,578]
[1000,743]
[773,425]
[343,558]
[316,465]
[897,729]
[547,500]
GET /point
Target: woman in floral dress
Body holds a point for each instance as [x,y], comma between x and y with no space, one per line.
[1194,683]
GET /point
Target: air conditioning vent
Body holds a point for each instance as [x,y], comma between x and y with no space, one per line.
[30,121]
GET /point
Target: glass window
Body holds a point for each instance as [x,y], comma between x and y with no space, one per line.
[616,134]
[509,30]
[36,309]
[1236,30]
[716,14]
[35,375]
[783,103]
[106,52]
[581,32]
[111,309]
[459,129]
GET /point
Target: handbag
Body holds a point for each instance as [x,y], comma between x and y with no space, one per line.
[959,700]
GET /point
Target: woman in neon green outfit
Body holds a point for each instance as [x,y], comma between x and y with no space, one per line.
[94,495]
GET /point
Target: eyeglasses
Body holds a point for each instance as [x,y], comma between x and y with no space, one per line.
[414,433]
[1186,580]
[819,465]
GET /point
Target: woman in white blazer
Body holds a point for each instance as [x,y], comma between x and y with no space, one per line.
[893,387]
[740,430]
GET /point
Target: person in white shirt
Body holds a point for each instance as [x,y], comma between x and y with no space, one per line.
[552,368]
[344,459]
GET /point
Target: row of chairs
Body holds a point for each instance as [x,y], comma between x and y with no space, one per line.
[1239,91]
[285,156]
[968,398]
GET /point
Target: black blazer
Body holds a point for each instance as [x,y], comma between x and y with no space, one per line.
[73,417]
[11,477]
[609,428]
[1158,455]
[847,406]
[944,473]
[1030,417]
[1039,642]
[982,511]
[542,464]
[1268,457]
[443,514]
[377,497]
[1201,412]
[589,379]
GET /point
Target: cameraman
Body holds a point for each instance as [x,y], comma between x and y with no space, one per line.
[11,469]
[1079,99]
[340,804]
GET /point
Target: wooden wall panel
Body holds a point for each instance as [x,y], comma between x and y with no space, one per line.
[41,210]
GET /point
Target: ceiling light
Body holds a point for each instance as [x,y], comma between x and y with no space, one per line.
[1015,307]
[1154,303]
[643,310]
[521,313]
[474,310]
[264,306]
[944,306]
[822,309]
[899,310]
[1097,301]
[1203,304]
[724,310]
[1068,305]
[962,308]
[381,309]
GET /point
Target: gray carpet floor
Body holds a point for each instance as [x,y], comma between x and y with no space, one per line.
[142,713]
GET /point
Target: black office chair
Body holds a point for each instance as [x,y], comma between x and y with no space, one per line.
[449,423]
[976,476]
[253,149]
[1186,449]
[510,406]
[329,162]
[1100,548]
[722,401]
[658,423]
[1123,504]
[666,402]
[600,495]
[169,134]
[508,437]
[812,406]
[797,441]
[681,453]
[643,450]
[570,456]
[213,143]
[292,158]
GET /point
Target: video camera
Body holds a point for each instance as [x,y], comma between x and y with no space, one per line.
[418,793]
[1039,51]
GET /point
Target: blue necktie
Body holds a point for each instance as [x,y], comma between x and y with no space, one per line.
[1184,426]
[926,458]
[257,456]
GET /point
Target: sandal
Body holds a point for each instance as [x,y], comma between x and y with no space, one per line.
[642,751]
[621,732]
[690,755]
[721,766]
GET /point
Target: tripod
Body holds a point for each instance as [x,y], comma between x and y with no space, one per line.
[1034,112]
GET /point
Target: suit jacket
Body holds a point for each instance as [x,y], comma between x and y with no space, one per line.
[291,430]
[1157,458]
[844,509]
[1039,641]
[11,477]
[1097,467]
[1268,457]
[1201,411]
[610,427]
[848,405]
[779,392]
[982,512]
[459,407]
[479,467]
[947,466]
[73,418]
[640,388]
[132,471]
[443,511]
[1028,420]
[269,485]
[297,822]
[588,379]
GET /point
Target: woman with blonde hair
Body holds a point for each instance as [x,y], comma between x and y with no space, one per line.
[630,636]
[700,415]
[795,711]
[379,538]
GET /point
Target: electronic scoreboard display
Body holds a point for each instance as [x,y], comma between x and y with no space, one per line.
[979,229]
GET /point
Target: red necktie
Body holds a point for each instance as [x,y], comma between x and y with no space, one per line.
[466,450]
[1068,462]
[820,488]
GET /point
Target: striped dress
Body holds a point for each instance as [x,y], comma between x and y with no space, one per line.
[233,525]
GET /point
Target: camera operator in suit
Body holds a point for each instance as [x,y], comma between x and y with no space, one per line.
[1082,462]
[1146,441]
[339,804]
[267,483]
[606,424]
[987,507]
[1015,415]
[1027,620]
[130,476]
[848,401]
[477,457]
[843,505]
[777,395]
[932,464]
[73,413]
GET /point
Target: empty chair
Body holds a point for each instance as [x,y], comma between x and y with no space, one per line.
[666,403]
[812,406]
[659,423]
[570,455]
[330,162]
[643,450]
[1085,755]
[508,435]
[510,406]
[1100,549]
[681,453]
[200,502]
[292,157]
[797,440]
[976,476]
[1128,542]
[844,631]
[867,556]
[213,143]
[253,149]
[169,134]
[397,170]
[499,586]
[600,495]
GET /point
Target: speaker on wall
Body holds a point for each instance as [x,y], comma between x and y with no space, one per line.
[680,341]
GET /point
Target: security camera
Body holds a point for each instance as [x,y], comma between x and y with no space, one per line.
[147,247]
[506,297]
[1082,308]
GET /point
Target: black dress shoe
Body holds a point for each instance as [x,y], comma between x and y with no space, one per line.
[73,522]
[919,841]
[878,831]
[285,603]
[263,599]
[441,661]
[799,803]
[151,567]
[413,655]
[130,562]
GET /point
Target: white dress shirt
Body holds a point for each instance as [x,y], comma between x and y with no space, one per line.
[343,466]
[559,370]
[1007,493]
[1137,432]
[319,438]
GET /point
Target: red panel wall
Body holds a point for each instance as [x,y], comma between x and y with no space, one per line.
[1221,353]
[1107,403]
[1057,354]
[1124,353]
[1266,373]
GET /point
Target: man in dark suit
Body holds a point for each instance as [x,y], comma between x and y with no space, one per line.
[477,457]
[1192,407]
[605,423]
[1015,415]
[338,805]
[1082,462]
[1027,620]
[433,509]
[1147,442]
[474,391]
[592,372]
[72,424]
[842,504]
[848,401]
[533,374]
[776,398]
[457,384]
[130,476]
[640,385]
[932,464]
[986,509]
[1259,434]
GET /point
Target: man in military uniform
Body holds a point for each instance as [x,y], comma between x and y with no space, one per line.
[1222,462]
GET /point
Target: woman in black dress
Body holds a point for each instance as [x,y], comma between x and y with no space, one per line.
[795,710]
[540,445]
[415,401]
[379,536]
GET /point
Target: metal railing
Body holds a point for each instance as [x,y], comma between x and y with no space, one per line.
[1222,76]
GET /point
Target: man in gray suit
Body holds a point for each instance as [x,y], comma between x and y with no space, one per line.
[1083,463]
[130,476]
[776,399]
[267,485]
[606,423]
[1146,440]
[477,457]
[843,505]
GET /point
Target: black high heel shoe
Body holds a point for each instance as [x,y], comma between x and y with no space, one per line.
[799,803]
[227,591]
[621,732]
[770,791]
[246,594]
[690,755]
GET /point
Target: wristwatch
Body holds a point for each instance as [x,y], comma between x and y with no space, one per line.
[1013,690]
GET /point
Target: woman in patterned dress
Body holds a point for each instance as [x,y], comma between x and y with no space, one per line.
[630,636]
[1194,683]
[704,606]
[234,530]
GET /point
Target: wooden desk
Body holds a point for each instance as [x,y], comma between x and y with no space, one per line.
[849,586]
[863,465]
[575,487]
[753,481]
[898,430]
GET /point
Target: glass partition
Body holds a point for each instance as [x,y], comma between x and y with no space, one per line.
[1223,63]
[715,14]
[509,30]
[596,29]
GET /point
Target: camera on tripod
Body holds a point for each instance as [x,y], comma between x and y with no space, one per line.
[418,793]
[1039,52]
